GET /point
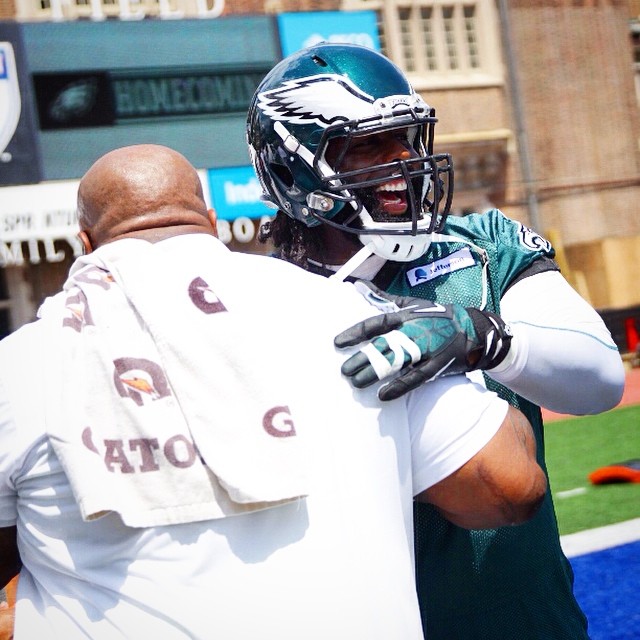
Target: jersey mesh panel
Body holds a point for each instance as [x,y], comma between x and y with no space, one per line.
[512,583]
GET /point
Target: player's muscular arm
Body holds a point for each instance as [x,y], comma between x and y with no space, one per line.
[501,485]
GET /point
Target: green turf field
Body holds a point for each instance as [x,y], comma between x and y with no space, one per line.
[577,446]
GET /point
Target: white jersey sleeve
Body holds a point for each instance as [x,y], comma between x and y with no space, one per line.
[8,505]
[451,420]
[21,412]
[562,355]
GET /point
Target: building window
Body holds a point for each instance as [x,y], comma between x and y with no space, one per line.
[118,9]
[437,42]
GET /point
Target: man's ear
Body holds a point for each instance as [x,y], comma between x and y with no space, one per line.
[86,242]
[213,219]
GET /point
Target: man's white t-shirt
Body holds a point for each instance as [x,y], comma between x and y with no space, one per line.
[337,564]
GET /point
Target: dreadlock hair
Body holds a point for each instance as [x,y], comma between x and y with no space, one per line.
[291,239]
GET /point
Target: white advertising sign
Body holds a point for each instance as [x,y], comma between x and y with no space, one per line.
[32,217]
[37,215]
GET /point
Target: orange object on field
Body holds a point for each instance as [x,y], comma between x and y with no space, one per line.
[628,471]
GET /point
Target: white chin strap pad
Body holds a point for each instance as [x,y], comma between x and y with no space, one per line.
[398,248]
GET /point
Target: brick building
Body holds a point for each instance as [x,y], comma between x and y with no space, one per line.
[537,103]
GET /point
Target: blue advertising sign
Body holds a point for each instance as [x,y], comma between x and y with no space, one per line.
[235,192]
[300,30]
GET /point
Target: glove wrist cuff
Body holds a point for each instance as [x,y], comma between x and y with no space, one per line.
[495,334]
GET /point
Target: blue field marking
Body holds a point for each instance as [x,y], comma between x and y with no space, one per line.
[606,564]
[607,586]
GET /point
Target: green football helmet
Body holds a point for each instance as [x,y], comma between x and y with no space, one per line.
[329,97]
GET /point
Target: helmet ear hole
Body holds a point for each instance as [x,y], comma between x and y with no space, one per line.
[282,173]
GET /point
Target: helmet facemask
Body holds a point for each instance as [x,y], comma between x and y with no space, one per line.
[395,205]
[303,122]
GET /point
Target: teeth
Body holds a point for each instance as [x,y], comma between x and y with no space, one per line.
[400,185]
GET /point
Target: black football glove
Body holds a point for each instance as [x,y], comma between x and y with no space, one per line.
[421,340]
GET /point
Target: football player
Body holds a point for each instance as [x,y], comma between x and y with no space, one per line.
[343,148]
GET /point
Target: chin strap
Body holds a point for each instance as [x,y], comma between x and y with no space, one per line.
[353,263]
[369,249]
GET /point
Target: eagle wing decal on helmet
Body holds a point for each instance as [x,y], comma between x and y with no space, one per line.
[323,99]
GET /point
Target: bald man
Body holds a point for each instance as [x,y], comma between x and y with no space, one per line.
[181,457]
[144,191]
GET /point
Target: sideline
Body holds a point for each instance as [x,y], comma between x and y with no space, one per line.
[591,540]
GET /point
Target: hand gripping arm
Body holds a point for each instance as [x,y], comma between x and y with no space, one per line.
[420,340]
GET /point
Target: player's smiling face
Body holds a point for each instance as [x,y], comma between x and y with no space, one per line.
[387,200]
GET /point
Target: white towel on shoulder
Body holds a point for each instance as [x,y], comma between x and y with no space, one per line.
[160,405]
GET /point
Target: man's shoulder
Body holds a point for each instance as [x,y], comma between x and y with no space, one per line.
[481,226]
[22,378]
[453,263]
[28,337]
[22,354]
[302,293]
[494,228]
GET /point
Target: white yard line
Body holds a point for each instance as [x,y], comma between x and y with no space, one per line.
[613,535]
[571,492]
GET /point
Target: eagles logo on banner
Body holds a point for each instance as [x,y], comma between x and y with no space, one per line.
[10,103]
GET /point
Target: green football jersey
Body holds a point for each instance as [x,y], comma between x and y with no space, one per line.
[511,583]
